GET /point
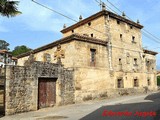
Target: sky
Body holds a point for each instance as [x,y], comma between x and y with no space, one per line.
[38,26]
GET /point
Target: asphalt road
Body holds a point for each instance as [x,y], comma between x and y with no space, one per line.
[131,107]
[148,109]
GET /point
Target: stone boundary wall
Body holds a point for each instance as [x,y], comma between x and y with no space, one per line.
[22,85]
[108,93]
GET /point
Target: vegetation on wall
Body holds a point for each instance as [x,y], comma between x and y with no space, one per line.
[158,80]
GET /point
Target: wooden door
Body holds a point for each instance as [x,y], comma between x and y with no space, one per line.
[47,92]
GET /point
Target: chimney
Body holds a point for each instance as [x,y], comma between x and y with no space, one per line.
[138,22]
[64,26]
[80,18]
[103,6]
[123,14]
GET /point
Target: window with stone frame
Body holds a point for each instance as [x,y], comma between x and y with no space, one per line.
[148,65]
[121,37]
[47,57]
[92,57]
[133,39]
[89,24]
[120,61]
[118,22]
[135,62]
[135,82]
[120,83]
[149,81]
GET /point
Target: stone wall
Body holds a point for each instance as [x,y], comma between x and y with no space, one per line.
[88,29]
[22,86]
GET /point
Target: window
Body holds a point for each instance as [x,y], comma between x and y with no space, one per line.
[93,57]
[136,83]
[72,31]
[148,65]
[9,60]
[91,35]
[128,58]
[131,27]
[89,24]
[133,39]
[120,83]
[47,57]
[149,81]
[121,36]
[135,62]
[118,22]
[120,61]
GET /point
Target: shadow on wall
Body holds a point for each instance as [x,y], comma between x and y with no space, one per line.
[149,110]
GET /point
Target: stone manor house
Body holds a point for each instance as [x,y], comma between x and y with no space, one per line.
[105,54]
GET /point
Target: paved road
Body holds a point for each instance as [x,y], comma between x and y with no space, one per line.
[147,109]
[139,107]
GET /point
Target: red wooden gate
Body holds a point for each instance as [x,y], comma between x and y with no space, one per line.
[46,92]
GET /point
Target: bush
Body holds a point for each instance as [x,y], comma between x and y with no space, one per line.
[158,80]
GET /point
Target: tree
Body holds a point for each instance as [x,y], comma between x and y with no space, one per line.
[9,8]
[20,49]
[4,45]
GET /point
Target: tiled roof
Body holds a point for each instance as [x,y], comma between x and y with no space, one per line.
[72,37]
[150,52]
[99,14]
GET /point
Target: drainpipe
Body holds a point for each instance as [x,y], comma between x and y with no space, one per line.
[109,44]
[110,55]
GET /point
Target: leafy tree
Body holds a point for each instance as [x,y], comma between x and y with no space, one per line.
[9,8]
[20,49]
[4,45]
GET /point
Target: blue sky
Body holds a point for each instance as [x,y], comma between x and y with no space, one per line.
[38,26]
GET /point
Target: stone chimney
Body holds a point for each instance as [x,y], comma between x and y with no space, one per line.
[103,6]
[80,18]
[64,26]
[123,14]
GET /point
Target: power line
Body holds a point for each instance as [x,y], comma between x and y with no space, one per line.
[53,10]
[67,17]
[74,21]
[100,3]
[146,35]
[63,15]
[153,36]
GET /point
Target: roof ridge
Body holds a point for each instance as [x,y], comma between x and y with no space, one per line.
[64,40]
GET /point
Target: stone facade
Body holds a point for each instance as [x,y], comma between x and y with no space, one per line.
[105,51]
[22,86]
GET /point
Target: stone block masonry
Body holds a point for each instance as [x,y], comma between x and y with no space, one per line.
[22,86]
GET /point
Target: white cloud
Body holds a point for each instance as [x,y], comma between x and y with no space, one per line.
[37,18]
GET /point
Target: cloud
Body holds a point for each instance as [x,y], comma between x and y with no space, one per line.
[38,18]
